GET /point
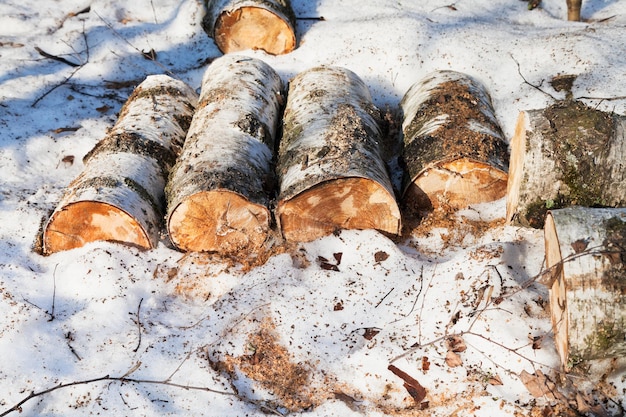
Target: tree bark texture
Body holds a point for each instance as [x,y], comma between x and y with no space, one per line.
[573,10]
[218,192]
[567,154]
[586,252]
[237,25]
[454,150]
[331,172]
[119,196]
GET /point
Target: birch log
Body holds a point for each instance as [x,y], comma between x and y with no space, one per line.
[218,192]
[586,251]
[567,154]
[237,25]
[119,196]
[454,150]
[331,172]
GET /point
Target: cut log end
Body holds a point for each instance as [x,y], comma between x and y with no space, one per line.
[219,221]
[345,203]
[254,28]
[457,184]
[556,283]
[516,166]
[88,221]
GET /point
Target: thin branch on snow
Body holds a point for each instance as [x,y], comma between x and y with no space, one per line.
[35,394]
[138,321]
[536,87]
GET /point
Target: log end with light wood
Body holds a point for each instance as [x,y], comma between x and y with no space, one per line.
[586,258]
[119,196]
[266,25]
[457,184]
[331,172]
[219,221]
[454,150]
[89,221]
[564,155]
[345,203]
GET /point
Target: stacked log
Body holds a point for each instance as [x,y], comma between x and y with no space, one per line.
[218,192]
[331,172]
[119,196]
[567,154]
[237,25]
[586,255]
[454,150]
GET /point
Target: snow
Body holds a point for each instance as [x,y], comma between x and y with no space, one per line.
[161,318]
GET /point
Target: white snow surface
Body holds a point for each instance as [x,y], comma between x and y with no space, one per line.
[157,317]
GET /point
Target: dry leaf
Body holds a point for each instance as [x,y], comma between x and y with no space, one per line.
[381,256]
[415,389]
[453,359]
[456,344]
[338,257]
[495,380]
[425,363]
[370,333]
[539,385]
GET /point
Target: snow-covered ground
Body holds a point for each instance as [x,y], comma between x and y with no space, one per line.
[110,330]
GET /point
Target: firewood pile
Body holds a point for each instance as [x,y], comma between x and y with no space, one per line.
[253,160]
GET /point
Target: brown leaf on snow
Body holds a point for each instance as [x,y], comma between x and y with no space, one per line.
[425,363]
[456,344]
[539,385]
[495,380]
[381,256]
[370,333]
[415,389]
[453,359]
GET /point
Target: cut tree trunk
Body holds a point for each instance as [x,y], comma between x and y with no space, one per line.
[586,253]
[331,172]
[119,196]
[454,150]
[573,10]
[567,154]
[218,192]
[237,25]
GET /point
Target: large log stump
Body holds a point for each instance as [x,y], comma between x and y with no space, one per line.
[586,254]
[218,192]
[567,154]
[119,196]
[237,25]
[454,150]
[331,172]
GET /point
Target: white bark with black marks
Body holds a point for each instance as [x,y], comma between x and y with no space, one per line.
[567,154]
[454,150]
[219,191]
[586,252]
[119,196]
[331,172]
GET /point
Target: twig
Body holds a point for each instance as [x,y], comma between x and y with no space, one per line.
[18,407]
[151,57]
[383,299]
[54,292]
[55,57]
[138,325]
[519,71]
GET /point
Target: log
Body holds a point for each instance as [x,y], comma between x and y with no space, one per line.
[573,10]
[567,154]
[218,192]
[586,254]
[119,196]
[331,172]
[237,25]
[454,149]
